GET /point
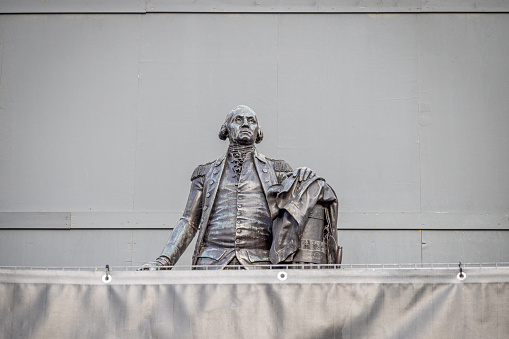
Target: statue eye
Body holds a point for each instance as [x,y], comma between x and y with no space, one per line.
[238,119]
[251,120]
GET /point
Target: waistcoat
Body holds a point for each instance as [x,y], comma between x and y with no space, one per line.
[240,217]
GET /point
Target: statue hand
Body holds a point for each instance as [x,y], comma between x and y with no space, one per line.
[155,265]
[149,266]
[303,173]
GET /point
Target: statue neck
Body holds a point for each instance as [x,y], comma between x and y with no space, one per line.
[238,155]
[236,148]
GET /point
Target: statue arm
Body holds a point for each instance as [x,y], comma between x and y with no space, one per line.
[185,230]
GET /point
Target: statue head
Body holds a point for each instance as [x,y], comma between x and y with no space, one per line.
[241,126]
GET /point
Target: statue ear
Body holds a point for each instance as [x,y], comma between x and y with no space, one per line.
[259,137]
[223,132]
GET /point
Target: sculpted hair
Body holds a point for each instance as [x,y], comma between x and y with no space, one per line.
[223,131]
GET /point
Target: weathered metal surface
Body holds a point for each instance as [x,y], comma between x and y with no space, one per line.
[252,6]
[133,247]
[68,112]
[73,248]
[31,220]
[124,220]
[285,6]
[188,63]
[327,6]
[413,118]
[423,220]
[148,245]
[464,6]
[72,6]
[465,246]
[334,103]
[464,146]
[380,247]
[59,248]
[166,220]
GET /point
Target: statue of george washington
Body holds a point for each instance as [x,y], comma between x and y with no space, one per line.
[251,210]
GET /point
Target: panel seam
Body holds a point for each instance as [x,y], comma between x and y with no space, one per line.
[137,115]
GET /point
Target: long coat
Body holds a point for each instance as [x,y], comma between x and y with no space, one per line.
[204,185]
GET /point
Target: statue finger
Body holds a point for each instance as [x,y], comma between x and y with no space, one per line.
[301,174]
[309,174]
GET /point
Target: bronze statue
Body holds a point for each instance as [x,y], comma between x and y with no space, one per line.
[251,210]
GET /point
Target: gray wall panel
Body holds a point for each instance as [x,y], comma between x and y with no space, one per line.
[465,246]
[191,77]
[79,248]
[69,104]
[287,6]
[328,6]
[44,220]
[104,117]
[133,247]
[250,6]
[348,106]
[124,220]
[178,134]
[72,6]
[380,247]
[69,248]
[464,6]
[436,220]
[463,113]
[157,220]
[148,245]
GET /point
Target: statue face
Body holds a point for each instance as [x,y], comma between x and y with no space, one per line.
[243,127]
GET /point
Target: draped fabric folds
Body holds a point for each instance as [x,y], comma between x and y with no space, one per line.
[279,303]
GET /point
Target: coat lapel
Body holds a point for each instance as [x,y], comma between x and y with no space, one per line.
[265,172]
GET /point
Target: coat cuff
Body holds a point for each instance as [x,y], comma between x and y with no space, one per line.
[284,254]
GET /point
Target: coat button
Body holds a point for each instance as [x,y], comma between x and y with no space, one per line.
[208,194]
[211,182]
[265,170]
[205,207]
[215,172]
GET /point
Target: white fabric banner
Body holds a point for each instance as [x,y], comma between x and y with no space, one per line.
[278,303]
